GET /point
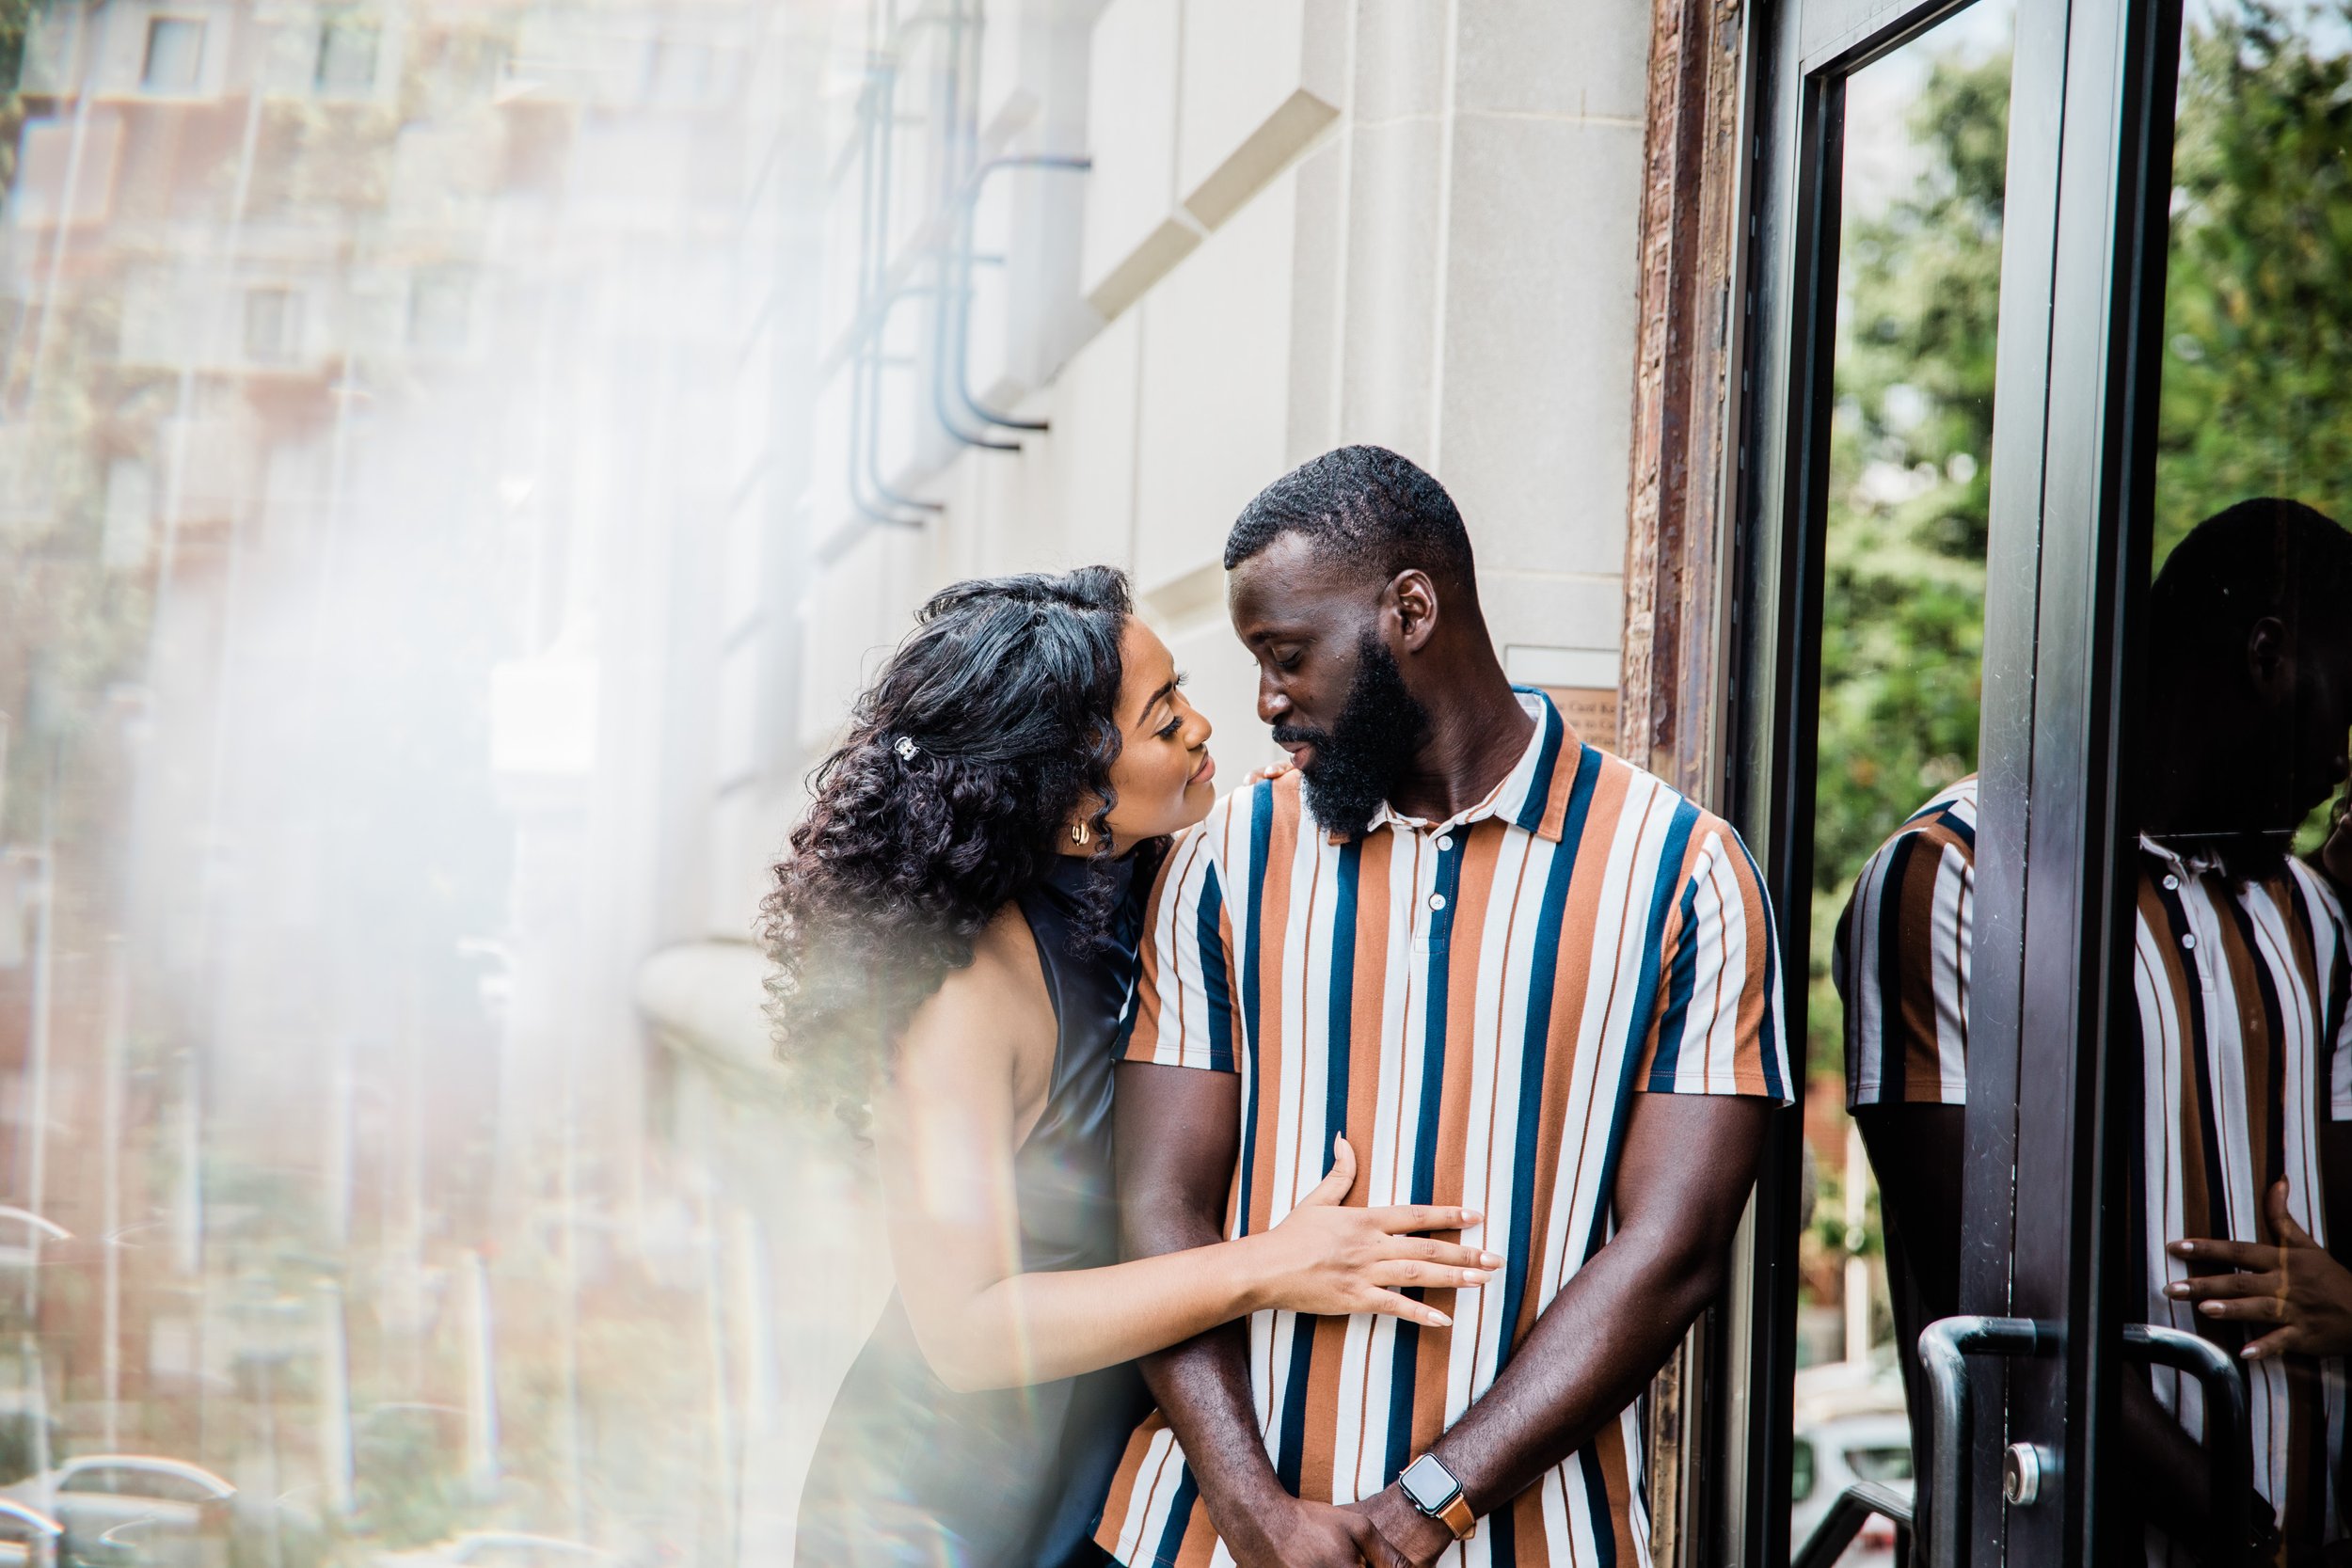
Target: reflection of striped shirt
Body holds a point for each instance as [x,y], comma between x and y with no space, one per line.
[2245,1022]
[1902,959]
[1472,1002]
[2245,993]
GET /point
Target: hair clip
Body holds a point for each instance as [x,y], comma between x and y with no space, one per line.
[905,749]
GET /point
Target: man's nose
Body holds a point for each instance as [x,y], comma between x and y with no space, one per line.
[1272,706]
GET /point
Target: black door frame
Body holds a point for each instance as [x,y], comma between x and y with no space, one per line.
[2086,211]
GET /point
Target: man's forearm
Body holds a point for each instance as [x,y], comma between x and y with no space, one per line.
[1178,1130]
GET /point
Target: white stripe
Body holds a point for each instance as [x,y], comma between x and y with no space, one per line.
[1950,928]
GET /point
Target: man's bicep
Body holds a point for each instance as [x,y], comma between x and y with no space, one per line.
[1688,1162]
[1177,1131]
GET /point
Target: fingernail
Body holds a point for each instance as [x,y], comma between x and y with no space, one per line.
[2182,1249]
[2210,1308]
[2253,1352]
[1491,1261]
[1439,1320]
[1471,1217]
[1472,1277]
[2176,1290]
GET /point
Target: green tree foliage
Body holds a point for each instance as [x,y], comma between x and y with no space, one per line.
[2258,319]
[1903,582]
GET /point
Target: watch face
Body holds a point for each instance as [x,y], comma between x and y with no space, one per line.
[1428,1483]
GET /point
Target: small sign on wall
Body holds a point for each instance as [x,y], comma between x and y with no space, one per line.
[1582,682]
[1591,712]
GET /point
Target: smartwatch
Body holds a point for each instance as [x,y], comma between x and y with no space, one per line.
[1429,1487]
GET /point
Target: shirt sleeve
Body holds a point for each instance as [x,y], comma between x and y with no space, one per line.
[1718,1025]
[1184,1009]
[1901,969]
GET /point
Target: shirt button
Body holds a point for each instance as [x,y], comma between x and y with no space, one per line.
[1445,841]
[2188,938]
[1436,900]
[2171,883]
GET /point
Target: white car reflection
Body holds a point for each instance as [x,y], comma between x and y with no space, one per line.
[117,1509]
[498,1549]
[27,1536]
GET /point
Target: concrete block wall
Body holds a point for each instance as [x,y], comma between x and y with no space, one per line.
[1308,222]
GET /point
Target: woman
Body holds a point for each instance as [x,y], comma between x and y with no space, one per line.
[956,933]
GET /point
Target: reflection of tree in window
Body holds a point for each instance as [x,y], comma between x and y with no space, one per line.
[1903,592]
[175,53]
[348,48]
[2257,321]
[2258,325]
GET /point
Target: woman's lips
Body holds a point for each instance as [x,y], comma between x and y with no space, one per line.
[1207,771]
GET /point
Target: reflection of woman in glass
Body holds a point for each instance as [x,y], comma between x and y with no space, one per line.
[956,931]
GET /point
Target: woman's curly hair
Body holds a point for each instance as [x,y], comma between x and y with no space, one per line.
[965,761]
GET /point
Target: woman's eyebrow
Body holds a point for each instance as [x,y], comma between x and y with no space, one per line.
[1162,695]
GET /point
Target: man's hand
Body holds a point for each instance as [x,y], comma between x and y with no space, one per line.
[1281,1531]
[1406,1537]
[2295,1284]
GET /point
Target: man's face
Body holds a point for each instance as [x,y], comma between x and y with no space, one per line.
[1329,682]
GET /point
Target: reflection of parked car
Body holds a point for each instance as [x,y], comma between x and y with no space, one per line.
[497,1548]
[125,1509]
[1849,1427]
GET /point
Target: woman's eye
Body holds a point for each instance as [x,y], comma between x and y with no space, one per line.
[1171,729]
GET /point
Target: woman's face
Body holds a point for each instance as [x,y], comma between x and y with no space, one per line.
[1165,777]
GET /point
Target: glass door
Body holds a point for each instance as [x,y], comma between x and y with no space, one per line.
[1942,488]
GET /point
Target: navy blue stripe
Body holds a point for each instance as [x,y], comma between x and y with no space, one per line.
[1339,1022]
[1543,974]
[1291,1443]
[1597,1505]
[1960,826]
[1261,834]
[1216,980]
[1680,981]
[1539,788]
[1178,1516]
[1768,1036]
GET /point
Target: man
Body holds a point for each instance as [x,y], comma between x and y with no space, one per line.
[1521,975]
[2243,1039]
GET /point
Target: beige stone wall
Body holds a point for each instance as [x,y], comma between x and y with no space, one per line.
[1308,222]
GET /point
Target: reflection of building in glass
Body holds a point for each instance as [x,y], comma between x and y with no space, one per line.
[363,366]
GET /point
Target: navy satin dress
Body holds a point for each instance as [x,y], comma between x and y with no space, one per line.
[909,1471]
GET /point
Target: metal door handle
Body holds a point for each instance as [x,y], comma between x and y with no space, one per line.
[2228,1433]
[1944,1347]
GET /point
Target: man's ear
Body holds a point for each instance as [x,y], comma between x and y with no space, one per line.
[1413,599]
[2270,658]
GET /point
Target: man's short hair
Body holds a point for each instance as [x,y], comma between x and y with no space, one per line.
[1366,506]
[2266,556]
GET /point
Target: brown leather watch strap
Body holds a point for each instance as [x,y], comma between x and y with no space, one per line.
[1456,1516]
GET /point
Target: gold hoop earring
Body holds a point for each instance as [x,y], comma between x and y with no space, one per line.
[1080,833]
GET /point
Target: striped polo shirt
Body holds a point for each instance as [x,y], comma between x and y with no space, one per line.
[1900,963]
[1472,1002]
[2244,1014]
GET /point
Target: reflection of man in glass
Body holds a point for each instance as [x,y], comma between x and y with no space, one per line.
[2242,968]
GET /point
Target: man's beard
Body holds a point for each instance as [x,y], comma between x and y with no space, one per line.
[1358,761]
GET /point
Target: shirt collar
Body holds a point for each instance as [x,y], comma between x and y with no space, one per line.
[1526,795]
